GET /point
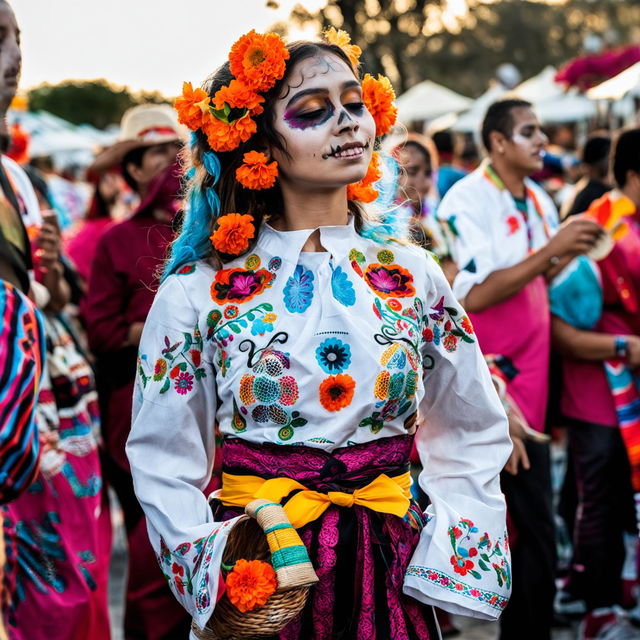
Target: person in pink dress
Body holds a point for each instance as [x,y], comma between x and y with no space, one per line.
[506,243]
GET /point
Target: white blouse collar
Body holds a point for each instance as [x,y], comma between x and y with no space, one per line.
[336,239]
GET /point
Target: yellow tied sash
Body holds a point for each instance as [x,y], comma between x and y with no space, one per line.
[383,494]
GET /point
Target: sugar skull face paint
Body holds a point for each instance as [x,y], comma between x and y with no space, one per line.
[327,132]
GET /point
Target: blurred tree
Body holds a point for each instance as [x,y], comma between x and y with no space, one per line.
[412,40]
[95,102]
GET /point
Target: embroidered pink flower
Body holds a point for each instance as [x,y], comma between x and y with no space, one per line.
[184,383]
[450,343]
[389,280]
[475,593]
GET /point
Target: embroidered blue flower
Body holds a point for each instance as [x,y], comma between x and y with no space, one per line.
[333,355]
[342,288]
[260,326]
[298,292]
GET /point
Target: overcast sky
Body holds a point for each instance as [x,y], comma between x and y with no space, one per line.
[145,44]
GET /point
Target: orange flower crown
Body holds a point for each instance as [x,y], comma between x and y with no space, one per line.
[257,62]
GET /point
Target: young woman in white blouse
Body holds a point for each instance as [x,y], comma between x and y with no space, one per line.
[314,340]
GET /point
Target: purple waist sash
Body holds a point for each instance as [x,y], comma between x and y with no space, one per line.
[344,468]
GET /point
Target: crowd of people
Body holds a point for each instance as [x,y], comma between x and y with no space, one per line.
[280,328]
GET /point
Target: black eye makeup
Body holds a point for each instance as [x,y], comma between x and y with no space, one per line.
[310,114]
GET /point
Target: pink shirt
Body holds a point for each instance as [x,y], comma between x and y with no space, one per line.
[586,394]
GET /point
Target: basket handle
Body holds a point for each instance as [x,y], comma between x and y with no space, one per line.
[289,556]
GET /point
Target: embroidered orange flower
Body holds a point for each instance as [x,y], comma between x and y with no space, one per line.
[363,191]
[227,137]
[378,96]
[238,96]
[258,60]
[336,392]
[255,173]
[233,233]
[342,39]
[250,584]
[192,107]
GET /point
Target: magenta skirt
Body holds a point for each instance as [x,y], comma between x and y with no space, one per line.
[360,556]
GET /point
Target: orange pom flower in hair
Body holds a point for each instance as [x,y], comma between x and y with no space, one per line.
[363,191]
[193,107]
[342,39]
[258,60]
[223,136]
[238,96]
[378,96]
[233,233]
[250,584]
[255,173]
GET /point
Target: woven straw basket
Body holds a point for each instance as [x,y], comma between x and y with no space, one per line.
[266,535]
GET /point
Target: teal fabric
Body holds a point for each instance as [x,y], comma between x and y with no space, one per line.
[576,294]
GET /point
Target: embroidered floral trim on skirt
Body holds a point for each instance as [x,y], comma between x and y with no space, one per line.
[360,556]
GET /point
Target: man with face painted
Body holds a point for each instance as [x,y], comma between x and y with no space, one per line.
[120,292]
[507,245]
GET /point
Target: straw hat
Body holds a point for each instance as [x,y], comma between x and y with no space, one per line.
[142,126]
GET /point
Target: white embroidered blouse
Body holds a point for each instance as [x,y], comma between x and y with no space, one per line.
[253,347]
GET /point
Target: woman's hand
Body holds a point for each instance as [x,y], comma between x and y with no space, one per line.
[518,435]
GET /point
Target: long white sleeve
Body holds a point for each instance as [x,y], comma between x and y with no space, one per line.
[461,563]
[172,445]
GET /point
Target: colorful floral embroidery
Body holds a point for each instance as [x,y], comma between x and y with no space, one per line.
[441,579]
[442,326]
[298,292]
[336,392]
[271,392]
[222,333]
[471,553]
[252,262]
[240,285]
[186,270]
[175,567]
[389,281]
[342,288]
[263,325]
[182,360]
[333,355]
[385,256]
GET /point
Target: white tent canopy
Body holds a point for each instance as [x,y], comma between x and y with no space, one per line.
[62,140]
[628,81]
[540,88]
[428,100]
[470,121]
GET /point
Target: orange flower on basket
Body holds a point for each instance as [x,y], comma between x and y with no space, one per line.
[238,96]
[227,137]
[336,392]
[363,191]
[192,106]
[343,40]
[233,233]
[378,96]
[250,584]
[255,173]
[258,60]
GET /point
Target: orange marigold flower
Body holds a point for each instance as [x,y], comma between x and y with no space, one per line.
[238,96]
[192,106]
[336,392]
[255,173]
[378,96]
[258,60]
[363,191]
[343,40]
[226,137]
[233,233]
[250,584]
